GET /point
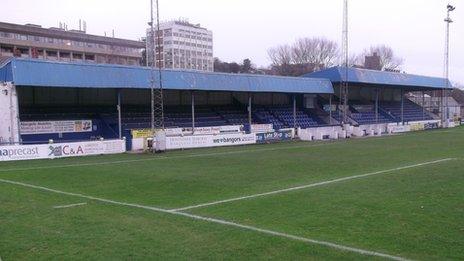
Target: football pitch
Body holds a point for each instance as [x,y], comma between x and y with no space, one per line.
[397,197]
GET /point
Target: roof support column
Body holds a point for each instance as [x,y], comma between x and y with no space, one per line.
[294,111]
[330,109]
[249,110]
[119,113]
[377,105]
[447,95]
[193,112]
[442,107]
[402,106]
[423,105]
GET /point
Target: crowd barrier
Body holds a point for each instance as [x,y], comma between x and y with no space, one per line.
[61,150]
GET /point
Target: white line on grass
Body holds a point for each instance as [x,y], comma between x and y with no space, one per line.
[198,155]
[311,185]
[166,157]
[71,205]
[214,220]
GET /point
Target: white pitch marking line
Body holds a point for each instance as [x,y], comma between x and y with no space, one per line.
[216,221]
[70,206]
[311,185]
[166,158]
[194,155]
[187,156]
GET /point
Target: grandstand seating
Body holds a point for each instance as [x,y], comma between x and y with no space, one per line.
[337,115]
[365,114]
[233,115]
[182,117]
[368,118]
[285,115]
[139,118]
[178,118]
[266,117]
[411,112]
[106,118]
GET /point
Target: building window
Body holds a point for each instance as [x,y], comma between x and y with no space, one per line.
[64,55]
[90,57]
[52,54]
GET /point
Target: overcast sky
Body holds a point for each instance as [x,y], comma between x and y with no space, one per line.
[248,28]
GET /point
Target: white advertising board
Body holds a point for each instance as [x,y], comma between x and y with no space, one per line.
[146,133]
[174,132]
[399,128]
[61,150]
[203,141]
[214,130]
[262,128]
[231,128]
[47,127]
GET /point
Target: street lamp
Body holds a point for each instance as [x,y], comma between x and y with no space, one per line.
[448,21]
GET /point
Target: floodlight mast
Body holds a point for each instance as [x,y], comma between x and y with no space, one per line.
[448,21]
[157,103]
[344,62]
[152,69]
[159,98]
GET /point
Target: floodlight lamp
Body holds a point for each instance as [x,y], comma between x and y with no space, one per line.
[451,8]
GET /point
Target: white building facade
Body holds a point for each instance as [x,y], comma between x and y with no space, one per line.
[184,46]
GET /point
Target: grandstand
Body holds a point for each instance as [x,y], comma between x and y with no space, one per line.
[54,91]
[276,201]
[379,97]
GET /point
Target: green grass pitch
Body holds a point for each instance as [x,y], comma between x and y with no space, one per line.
[396,197]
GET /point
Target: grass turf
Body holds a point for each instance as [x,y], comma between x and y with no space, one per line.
[380,213]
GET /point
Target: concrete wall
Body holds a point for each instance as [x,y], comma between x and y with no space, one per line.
[9,115]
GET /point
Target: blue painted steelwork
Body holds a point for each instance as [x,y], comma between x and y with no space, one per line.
[386,79]
[6,74]
[83,75]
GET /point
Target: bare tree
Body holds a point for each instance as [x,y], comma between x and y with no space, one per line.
[304,51]
[355,60]
[388,59]
[280,55]
[318,51]
[327,52]
[305,55]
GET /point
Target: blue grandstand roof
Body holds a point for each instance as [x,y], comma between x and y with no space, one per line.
[387,79]
[25,72]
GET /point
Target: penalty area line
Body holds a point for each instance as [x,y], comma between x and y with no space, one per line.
[215,221]
[311,185]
